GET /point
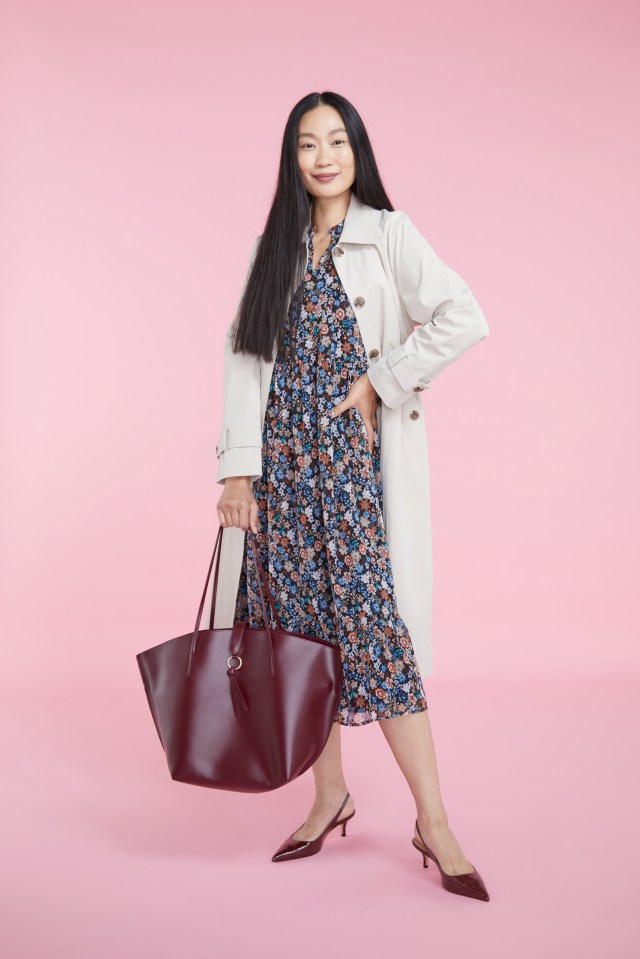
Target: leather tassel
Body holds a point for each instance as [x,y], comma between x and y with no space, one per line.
[235,688]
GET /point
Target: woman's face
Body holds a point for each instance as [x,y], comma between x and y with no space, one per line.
[326,160]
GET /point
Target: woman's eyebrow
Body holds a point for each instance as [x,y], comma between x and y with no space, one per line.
[331,132]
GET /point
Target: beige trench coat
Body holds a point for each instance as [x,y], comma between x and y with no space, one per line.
[416,316]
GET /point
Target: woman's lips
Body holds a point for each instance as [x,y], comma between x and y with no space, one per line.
[325,177]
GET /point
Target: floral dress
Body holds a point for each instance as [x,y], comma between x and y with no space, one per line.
[320,524]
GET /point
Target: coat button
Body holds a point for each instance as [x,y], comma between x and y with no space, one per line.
[338,251]
[359,301]
[416,389]
[414,415]
[373,354]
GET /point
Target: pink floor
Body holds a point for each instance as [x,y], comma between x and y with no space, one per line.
[104,856]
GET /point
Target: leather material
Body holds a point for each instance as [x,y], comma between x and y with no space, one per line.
[243,708]
[464,884]
[298,848]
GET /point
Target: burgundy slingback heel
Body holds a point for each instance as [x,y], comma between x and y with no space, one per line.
[298,848]
[464,884]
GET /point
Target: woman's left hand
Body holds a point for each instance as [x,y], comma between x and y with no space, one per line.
[363,398]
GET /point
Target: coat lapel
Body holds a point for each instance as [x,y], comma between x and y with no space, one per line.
[360,223]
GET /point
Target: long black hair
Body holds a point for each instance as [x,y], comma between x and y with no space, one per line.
[281,256]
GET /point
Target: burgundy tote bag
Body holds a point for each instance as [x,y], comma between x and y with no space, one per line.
[243,708]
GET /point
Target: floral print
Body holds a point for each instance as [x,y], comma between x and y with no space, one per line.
[320,524]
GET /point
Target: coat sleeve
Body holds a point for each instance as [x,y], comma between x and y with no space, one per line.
[239,447]
[448,317]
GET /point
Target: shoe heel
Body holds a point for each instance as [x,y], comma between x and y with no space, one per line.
[464,884]
[343,822]
[297,848]
[425,858]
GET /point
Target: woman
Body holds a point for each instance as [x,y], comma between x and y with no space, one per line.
[322,449]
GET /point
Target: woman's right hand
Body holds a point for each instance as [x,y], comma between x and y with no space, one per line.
[237,505]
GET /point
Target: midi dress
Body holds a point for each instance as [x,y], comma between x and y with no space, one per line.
[321,535]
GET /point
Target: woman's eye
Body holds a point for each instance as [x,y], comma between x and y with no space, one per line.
[303,146]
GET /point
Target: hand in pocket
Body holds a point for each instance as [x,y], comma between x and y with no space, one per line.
[363,398]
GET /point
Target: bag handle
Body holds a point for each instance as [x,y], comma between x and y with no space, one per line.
[262,584]
[263,580]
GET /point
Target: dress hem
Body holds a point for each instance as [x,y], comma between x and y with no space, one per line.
[377,719]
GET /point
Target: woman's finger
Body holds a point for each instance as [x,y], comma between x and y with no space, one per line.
[341,407]
[253,516]
[242,513]
[370,436]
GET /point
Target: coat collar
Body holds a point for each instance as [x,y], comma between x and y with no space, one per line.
[360,223]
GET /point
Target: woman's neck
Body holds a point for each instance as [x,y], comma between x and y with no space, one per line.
[325,214]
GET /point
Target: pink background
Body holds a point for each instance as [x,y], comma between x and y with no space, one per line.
[140,144]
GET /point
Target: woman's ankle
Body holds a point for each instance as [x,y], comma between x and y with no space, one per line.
[433,818]
[329,795]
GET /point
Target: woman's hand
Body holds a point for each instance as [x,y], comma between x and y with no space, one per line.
[363,398]
[237,505]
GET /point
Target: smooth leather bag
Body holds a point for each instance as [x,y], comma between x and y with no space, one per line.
[243,708]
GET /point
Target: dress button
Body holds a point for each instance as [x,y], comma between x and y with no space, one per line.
[414,415]
[359,301]
[338,251]
[373,354]
[416,389]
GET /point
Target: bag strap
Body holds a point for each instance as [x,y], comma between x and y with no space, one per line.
[263,580]
[262,584]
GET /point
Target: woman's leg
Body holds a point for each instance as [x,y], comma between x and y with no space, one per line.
[411,743]
[331,788]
